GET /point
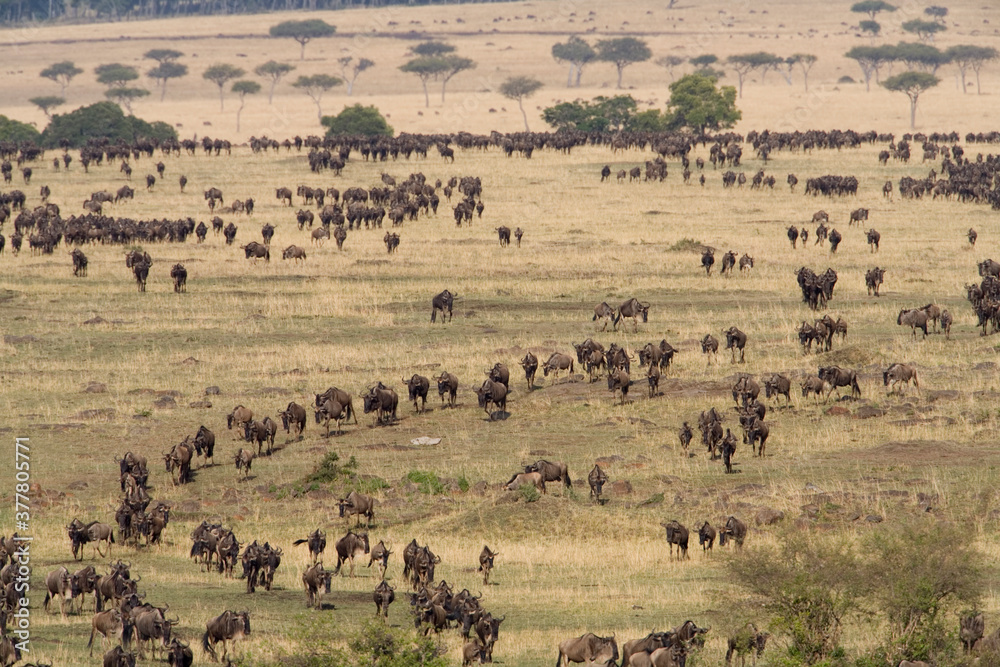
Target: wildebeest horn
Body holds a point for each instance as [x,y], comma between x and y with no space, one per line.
[173,622]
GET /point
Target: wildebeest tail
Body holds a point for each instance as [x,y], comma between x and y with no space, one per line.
[594,318]
[91,642]
[45,604]
[112,537]
[566,479]
[206,647]
[298,542]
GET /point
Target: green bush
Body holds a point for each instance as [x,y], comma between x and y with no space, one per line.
[328,470]
[103,120]
[528,493]
[16,131]
[428,482]
[358,120]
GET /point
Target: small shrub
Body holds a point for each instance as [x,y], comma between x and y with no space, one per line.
[428,482]
[463,483]
[846,79]
[328,470]
[528,493]
[687,245]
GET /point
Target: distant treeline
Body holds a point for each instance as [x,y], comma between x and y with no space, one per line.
[21,11]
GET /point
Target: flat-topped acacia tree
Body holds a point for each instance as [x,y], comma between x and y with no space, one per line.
[303,32]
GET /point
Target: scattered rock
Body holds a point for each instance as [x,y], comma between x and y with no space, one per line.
[479,488]
[768,516]
[873,518]
[96,388]
[212,391]
[200,404]
[507,499]
[621,487]
[867,412]
[96,320]
[810,510]
[106,414]
[943,395]
[812,487]
[165,403]
[837,411]
[424,440]
[190,361]
[77,485]
[803,522]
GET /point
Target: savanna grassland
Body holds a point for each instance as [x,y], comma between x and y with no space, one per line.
[269,333]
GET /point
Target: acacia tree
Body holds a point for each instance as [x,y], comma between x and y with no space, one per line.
[924,57]
[623,51]
[924,30]
[432,49]
[669,63]
[696,103]
[115,75]
[872,7]
[453,64]
[125,96]
[164,72]
[244,88]
[62,73]
[805,61]
[745,63]
[273,71]
[314,86]
[577,53]
[426,68]
[303,32]
[47,102]
[162,55]
[873,28]
[969,55]
[351,69]
[912,84]
[936,12]
[221,74]
[870,59]
[518,88]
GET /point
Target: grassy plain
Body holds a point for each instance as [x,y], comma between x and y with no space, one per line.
[269,333]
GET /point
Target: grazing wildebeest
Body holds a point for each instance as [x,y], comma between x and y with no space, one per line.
[244,461]
[946,321]
[357,504]
[530,365]
[486,557]
[913,318]
[707,260]
[227,627]
[640,649]
[316,542]
[116,657]
[504,234]
[606,313]
[597,479]
[873,239]
[815,386]
[973,236]
[349,547]
[734,530]
[254,250]
[706,537]
[685,435]
[180,276]
[989,267]
[710,347]
[293,417]
[535,479]
[618,380]
[633,308]
[793,235]
[677,535]
[109,624]
[971,627]
[838,377]
[746,263]
[383,595]
[442,302]
[417,387]
[79,262]
[552,471]
[821,216]
[492,394]
[747,640]
[897,373]
[873,280]
[557,362]
[588,648]
[858,215]
[778,385]
[317,582]
[60,583]
[728,262]
[735,340]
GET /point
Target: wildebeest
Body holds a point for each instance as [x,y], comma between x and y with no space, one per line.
[418,386]
[261,432]
[339,235]
[793,235]
[486,557]
[605,173]
[913,318]
[443,302]
[293,418]
[239,417]
[180,276]
[637,651]
[94,533]
[504,234]
[518,235]
[383,595]
[109,624]
[837,377]
[897,373]
[633,308]
[747,640]
[757,431]
[972,236]
[746,263]
[227,627]
[873,239]
[552,471]
[707,260]
[815,386]
[530,365]
[988,267]
[556,362]
[728,446]
[706,536]
[79,262]
[116,657]
[835,239]
[597,479]
[341,397]
[606,313]
[734,530]
[858,215]
[677,535]
[332,409]
[380,555]
[946,321]
[933,312]
[316,542]
[244,461]
[618,380]
[474,651]
[60,583]
[821,216]
[736,340]
[316,581]
[710,347]
[294,252]
[349,547]
[383,401]
[728,262]
[254,250]
[391,242]
[535,479]
[447,384]
[778,385]
[588,648]
[685,435]
[499,373]
[971,627]
[357,504]
[873,280]
[178,653]
[492,394]
[140,270]
[653,378]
